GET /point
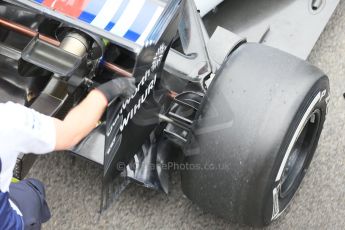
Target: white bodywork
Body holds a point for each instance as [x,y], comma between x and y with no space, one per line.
[206,6]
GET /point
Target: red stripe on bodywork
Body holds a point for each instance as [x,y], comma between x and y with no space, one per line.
[71,8]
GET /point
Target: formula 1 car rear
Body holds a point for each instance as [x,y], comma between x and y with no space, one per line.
[238,113]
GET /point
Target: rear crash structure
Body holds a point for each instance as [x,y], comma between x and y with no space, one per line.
[242,117]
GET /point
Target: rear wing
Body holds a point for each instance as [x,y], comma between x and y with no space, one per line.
[127,23]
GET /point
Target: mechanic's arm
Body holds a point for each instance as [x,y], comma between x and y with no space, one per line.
[81,120]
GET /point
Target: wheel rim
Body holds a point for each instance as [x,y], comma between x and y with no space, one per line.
[300,155]
[297,158]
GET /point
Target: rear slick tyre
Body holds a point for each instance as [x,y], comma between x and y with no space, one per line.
[255,136]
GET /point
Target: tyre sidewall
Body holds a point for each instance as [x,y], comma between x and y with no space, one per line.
[321,86]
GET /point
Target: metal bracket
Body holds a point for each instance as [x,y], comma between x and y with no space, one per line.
[193,64]
[202,55]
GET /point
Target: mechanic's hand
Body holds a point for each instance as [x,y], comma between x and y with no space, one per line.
[120,87]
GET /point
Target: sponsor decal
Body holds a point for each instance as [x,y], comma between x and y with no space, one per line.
[145,81]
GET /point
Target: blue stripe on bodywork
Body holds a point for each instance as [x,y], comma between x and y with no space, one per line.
[91,10]
[39,1]
[94,6]
[109,26]
[131,35]
[117,15]
[142,20]
[87,17]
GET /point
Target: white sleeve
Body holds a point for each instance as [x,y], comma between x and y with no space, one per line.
[26,130]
